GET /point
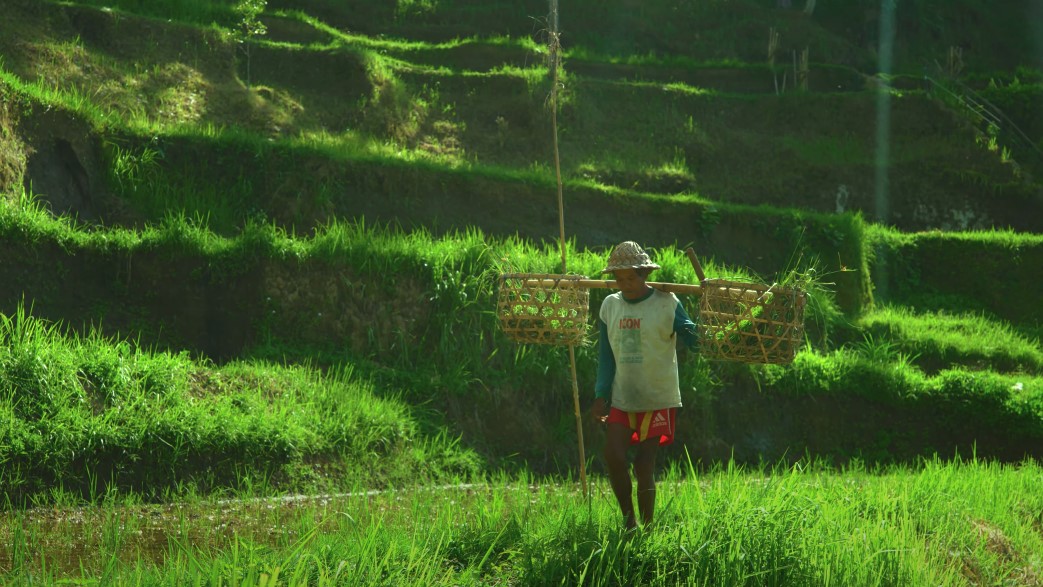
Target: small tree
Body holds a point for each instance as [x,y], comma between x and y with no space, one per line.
[250,26]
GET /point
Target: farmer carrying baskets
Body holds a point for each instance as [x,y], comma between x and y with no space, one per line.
[637,393]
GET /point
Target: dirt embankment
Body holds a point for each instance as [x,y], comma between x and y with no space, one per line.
[12,149]
[170,299]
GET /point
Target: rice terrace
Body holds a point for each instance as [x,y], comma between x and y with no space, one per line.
[313,292]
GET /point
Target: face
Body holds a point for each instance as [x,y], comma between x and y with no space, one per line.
[630,283]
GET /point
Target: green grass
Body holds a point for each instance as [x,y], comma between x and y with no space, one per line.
[999,237]
[878,368]
[199,12]
[336,392]
[658,137]
[442,345]
[456,272]
[52,95]
[939,339]
[940,523]
[199,172]
[86,414]
[725,29]
[404,46]
[997,272]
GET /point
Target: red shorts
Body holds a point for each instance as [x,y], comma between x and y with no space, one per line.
[647,425]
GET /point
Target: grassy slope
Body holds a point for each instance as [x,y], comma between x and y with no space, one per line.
[88,416]
[926,376]
[423,327]
[490,110]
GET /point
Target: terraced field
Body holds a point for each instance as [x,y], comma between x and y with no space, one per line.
[253,248]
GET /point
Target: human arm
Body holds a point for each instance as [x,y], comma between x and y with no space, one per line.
[685,328]
[606,374]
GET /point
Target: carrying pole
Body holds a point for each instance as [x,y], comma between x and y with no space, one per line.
[553,50]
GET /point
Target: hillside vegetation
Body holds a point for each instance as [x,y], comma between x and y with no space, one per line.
[251,249]
[258,195]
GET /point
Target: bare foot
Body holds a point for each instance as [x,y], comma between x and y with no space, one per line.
[629,522]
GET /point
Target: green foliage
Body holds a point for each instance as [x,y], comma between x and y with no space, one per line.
[795,525]
[940,339]
[882,352]
[199,12]
[90,409]
[878,370]
[249,27]
[53,95]
[962,272]
[223,205]
[129,169]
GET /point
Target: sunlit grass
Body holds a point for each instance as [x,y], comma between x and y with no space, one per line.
[1006,237]
[407,46]
[88,414]
[651,59]
[55,96]
[940,523]
[940,338]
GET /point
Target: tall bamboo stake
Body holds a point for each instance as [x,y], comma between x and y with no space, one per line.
[554,48]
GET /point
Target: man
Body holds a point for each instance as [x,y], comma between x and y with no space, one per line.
[637,393]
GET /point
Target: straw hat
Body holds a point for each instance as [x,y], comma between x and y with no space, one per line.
[628,255]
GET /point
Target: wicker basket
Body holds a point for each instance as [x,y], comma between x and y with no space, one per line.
[749,322]
[542,308]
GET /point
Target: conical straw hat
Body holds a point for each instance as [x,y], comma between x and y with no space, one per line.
[628,255]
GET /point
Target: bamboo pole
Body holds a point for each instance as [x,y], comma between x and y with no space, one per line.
[553,50]
[541,279]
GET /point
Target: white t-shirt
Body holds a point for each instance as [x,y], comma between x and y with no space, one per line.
[642,338]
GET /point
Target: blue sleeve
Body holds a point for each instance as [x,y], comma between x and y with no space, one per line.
[685,328]
[606,364]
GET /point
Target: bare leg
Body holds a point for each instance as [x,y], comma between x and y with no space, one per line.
[644,470]
[617,441]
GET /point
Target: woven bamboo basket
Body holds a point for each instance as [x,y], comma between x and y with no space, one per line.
[538,308]
[750,322]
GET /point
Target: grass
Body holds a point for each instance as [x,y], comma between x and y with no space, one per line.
[890,373]
[939,523]
[654,136]
[53,95]
[186,171]
[137,175]
[338,393]
[940,339]
[995,266]
[403,46]
[1000,237]
[456,273]
[442,293]
[199,12]
[87,414]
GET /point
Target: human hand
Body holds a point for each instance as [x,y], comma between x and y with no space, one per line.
[599,411]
